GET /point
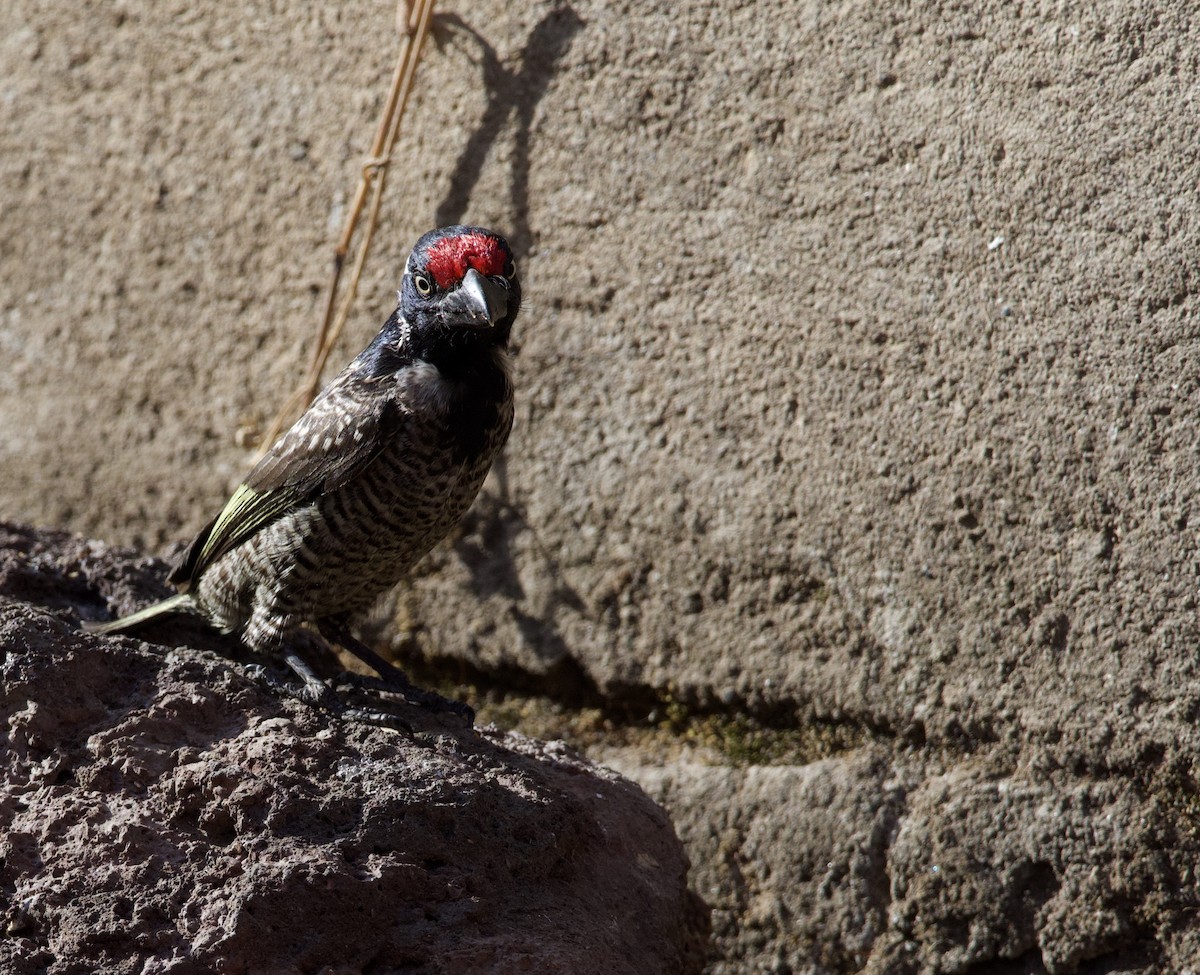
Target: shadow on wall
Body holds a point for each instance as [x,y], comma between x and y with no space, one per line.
[509,90]
[486,544]
[486,548]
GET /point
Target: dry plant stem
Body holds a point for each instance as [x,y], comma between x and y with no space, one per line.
[373,178]
[419,18]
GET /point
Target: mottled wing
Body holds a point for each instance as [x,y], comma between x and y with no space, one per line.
[340,434]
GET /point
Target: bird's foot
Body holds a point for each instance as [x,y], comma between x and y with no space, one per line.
[308,693]
[397,683]
[316,693]
[381,719]
[391,677]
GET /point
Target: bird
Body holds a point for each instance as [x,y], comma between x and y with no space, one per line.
[380,468]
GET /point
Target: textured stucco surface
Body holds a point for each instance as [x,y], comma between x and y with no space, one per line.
[857,382]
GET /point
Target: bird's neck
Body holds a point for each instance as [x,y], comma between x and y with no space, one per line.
[460,355]
[481,399]
[478,395]
[474,360]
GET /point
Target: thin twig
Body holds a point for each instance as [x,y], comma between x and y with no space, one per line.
[373,176]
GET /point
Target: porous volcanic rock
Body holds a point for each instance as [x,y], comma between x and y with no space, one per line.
[163,811]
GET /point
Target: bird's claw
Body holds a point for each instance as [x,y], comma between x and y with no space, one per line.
[397,683]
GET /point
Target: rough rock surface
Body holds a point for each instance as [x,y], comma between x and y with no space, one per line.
[881,862]
[161,811]
[858,389]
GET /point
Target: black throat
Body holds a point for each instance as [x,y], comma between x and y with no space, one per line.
[468,360]
[483,387]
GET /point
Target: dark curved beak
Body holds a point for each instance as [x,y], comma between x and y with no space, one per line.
[479,301]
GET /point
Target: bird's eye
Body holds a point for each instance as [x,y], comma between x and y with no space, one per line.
[423,284]
[510,269]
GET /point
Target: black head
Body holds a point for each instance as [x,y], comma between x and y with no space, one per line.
[460,290]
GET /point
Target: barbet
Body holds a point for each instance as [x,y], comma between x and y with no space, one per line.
[382,465]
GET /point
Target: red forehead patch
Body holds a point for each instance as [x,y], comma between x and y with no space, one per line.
[449,259]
